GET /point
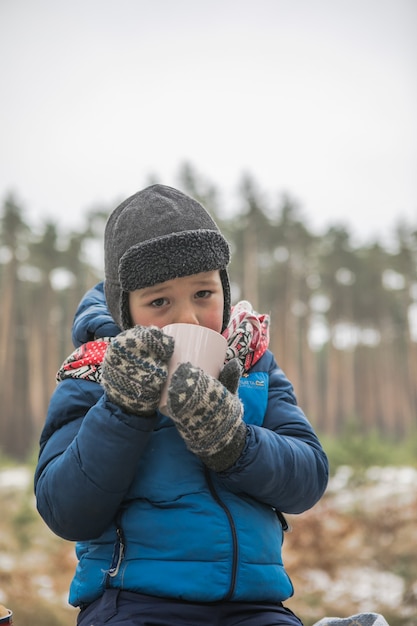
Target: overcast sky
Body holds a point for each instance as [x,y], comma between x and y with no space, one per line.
[313,98]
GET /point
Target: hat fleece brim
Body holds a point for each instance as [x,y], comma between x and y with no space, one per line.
[173,256]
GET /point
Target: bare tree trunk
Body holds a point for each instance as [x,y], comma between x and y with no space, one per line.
[36,360]
[332,391]
[250,267]
[9,383]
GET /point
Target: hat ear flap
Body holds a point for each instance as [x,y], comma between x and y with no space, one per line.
[125,317]
[224,277]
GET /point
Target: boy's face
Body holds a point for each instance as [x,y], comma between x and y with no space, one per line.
[196,299]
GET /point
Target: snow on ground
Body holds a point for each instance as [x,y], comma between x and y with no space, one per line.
[379,485]
[15,478]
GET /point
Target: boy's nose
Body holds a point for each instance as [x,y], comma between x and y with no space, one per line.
[186,315]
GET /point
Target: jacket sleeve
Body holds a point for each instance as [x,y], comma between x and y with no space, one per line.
[92,318]
[88,457]
[283,463]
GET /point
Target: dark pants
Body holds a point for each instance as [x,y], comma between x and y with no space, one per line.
[123,608]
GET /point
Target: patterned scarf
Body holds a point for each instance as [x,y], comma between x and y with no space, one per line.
[247,334]
[247,338]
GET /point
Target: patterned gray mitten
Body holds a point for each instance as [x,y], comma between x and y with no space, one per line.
[207,416]
[135,368]
[230,375]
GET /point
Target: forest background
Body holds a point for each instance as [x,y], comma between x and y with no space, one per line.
[343,315]
[343,328]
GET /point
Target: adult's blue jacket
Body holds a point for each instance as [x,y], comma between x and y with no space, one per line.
[146,513]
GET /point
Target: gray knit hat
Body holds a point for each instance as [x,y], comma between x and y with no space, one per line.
[155,235]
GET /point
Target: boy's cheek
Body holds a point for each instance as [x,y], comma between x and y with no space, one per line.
[144,318]
[214,321]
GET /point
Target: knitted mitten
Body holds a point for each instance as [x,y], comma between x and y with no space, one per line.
[135,368]
[207,416]
[230,375]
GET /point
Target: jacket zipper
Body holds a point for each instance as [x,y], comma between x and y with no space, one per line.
[218,500]
[118,550]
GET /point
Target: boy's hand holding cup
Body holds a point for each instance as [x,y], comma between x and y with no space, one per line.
[207,415]
[135,368]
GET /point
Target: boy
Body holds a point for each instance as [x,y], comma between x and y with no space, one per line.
[177,520]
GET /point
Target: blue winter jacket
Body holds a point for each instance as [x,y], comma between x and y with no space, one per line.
[146,513]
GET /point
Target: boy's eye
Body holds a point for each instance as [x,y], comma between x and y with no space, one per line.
[204,293]
[158,302]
